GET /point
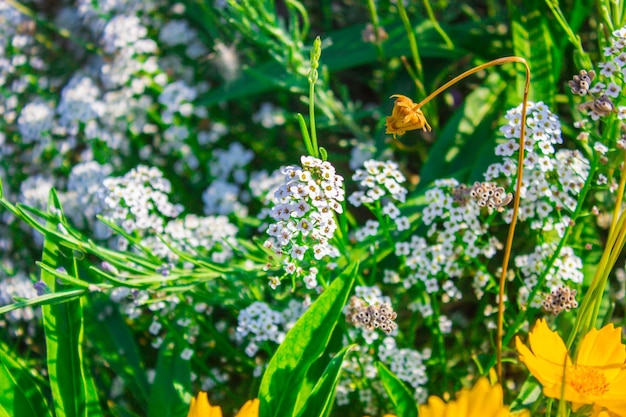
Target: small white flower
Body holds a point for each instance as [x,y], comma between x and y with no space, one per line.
[402,223]
[600,148]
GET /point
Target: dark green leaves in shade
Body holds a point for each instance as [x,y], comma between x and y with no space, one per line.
[171,390]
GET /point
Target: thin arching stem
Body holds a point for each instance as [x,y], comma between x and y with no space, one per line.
[518,186]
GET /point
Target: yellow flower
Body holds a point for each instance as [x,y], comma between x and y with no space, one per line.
[201,407]
[597,376]
[405,115]
[483,400]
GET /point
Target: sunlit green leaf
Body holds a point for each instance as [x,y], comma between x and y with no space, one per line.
[303,345]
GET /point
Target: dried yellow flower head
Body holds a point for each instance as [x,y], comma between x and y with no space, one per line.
[405,115]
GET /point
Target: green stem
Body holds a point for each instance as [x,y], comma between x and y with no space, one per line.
[312,119]
[436,25]
[417,62]
[376,24]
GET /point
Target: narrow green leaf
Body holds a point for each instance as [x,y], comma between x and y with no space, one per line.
[21,395]
[72,389]
[303,345]
[402,400]
[171,390]
[321,400]
[55,298]
[305,134]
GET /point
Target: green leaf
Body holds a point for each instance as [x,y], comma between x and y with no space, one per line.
[73,390]
[533,42]
[21,395]
[285,375]
[320,402]
[348,50]
[171,390]
[528,394]
[116,343]
[402,400]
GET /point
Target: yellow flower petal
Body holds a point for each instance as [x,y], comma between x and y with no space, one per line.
[483,400]
[201,407]
[603,348]
[547,354]
[249,409]
[598,376]
[435,408]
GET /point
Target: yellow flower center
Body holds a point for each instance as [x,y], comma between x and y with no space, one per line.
[587,380]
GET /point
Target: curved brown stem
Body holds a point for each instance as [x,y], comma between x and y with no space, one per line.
[518,185]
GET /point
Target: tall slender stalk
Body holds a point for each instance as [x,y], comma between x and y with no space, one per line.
[518,185]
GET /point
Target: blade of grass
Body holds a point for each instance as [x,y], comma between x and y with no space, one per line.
[72,388]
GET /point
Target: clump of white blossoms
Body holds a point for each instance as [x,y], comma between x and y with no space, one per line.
[552,179]
[36,121]
[566,270]
[259,323]
[225,195]
[456,238]
[304,218]
[211,237]
[380,184]
[138,201]
[80,201]
[360,376]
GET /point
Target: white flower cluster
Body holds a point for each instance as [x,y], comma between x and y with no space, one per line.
[126,30]
[80,201]
[179,32]
[552,179]
[211,236]
[407,365]
[566,270]
[225,195]
[18,286]
[379,179]
[612,71]
[359,374]
[381,182]
[258,323]
[138,201]
[303,214]
[80,102]
[35,121]
[458,237]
